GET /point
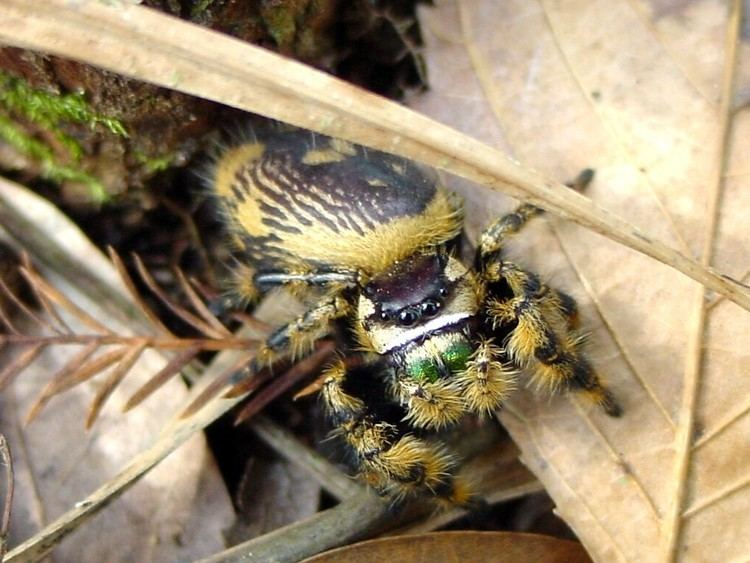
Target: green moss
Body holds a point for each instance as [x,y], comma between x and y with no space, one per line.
[281,25]
[51,112]
[199,7]
[43,154]
[282,19]
[154,164]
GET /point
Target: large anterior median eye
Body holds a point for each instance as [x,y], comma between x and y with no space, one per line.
[408,317]
[430,308]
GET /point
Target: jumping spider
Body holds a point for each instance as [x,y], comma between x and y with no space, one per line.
[374,239]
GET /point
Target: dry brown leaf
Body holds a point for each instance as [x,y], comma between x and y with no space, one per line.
[467,547]
[177,510]
[272,493]
[633,89]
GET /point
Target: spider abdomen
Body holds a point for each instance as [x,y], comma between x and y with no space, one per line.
[298,201]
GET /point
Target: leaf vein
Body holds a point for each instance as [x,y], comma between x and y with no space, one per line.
[611,129]
[609,327]
[673,529]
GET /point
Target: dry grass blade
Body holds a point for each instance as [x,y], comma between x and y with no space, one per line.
[6,463]
[61,326]
[189,318]
[112,381]
[21,306]
[218,383]
[63,374]
[169,371]
[327,475]
[7,323]
[685,436]
[199,306]
[47,291]
[134,293]
[20,362]
[281,384]
[141,43]
[353,519]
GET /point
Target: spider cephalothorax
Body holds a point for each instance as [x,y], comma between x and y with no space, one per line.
[372,239]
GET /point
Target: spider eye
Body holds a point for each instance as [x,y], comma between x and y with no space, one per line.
[443,291]
[384,316]
[407,317]
[430,308]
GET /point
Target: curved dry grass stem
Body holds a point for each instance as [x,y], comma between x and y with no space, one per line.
[134,293]
[352,519]
[201,326]
[49,295]
[51,389]
[172,369]
[156,48]
[19,363]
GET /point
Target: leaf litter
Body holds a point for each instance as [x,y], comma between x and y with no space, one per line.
[57,463]
[639,94]
[560,103]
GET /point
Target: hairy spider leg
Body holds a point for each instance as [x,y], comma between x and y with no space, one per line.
[247,285]
[396,463]
[544,320]
[429,404]
[487,381]
[493,237]
[298,337]
[541,338]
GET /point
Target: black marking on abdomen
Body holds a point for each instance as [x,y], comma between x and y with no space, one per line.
[282,198]
[334,205]
[285,227]
[238,194]
[272,210]
[316,214]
